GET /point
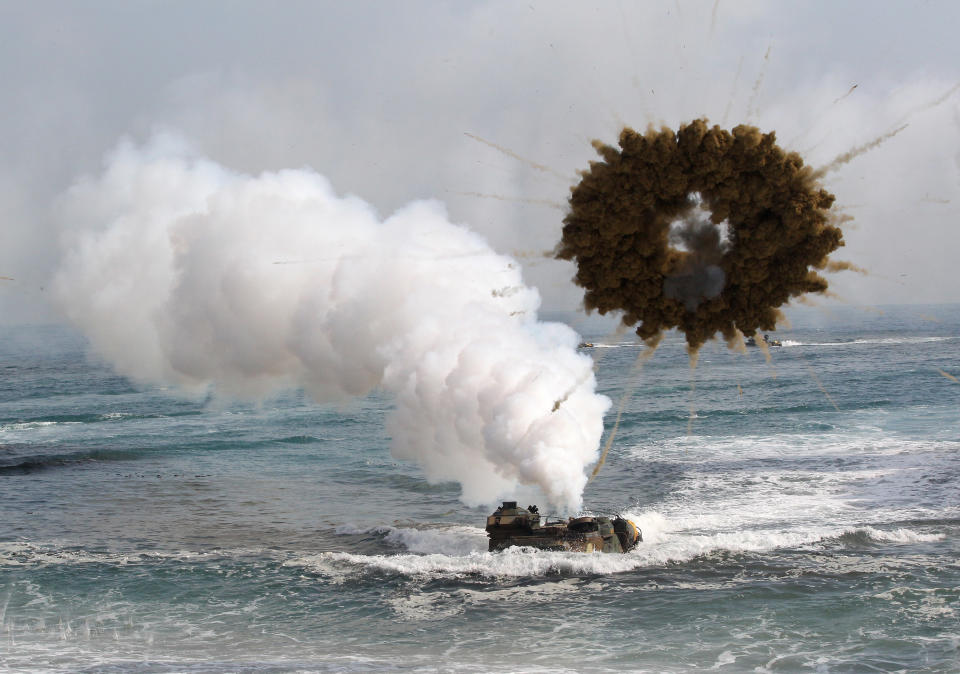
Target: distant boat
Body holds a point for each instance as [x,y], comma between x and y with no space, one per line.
[752,341]
[585,345]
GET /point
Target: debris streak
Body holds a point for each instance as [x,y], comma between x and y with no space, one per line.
[733,93]
[642,359]
[521,200]
[514,155]
[855,152]
[850,91]
[842,265]
[817,381]
[759,83]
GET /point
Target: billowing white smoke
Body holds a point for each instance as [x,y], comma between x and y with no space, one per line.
[181,271]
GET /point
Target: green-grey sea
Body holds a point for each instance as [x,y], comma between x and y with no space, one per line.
[799,514]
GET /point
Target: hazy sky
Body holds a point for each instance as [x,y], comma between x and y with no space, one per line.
[380,97]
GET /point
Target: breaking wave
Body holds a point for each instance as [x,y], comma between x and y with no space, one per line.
[19,464]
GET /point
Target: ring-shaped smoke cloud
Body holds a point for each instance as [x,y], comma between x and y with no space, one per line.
[183,272]
[642,245]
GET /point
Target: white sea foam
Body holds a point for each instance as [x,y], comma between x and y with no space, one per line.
[427,605]
[449,540]
[899,535]
[710,512]
[33,425]
[23,553]
[724,659]
[663,543]
[865,439]
[768,499]
[459,551]
[921,604]
[513,562]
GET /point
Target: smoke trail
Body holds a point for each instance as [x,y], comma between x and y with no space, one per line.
[899,126]
[737,343]
[509,153]
[817,381]
[819,114]
[733,92]
[694,358]
[532,254]
[843,265]
[758,84]
[849,91]
[855,152]
[939,100]
[521,200]
[642,359]
[170,271]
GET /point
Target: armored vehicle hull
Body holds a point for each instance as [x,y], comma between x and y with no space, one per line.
[511,526]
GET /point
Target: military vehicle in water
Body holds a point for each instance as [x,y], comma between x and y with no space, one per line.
[512,526]
[752,341]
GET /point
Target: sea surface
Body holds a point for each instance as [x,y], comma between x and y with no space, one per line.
[800,514]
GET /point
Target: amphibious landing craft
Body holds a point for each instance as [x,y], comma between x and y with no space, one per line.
[509,526]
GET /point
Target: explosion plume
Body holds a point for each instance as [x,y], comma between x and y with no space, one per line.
[701,229]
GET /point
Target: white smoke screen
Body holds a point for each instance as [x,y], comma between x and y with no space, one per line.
[183,272]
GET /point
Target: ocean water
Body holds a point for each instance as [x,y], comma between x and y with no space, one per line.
[800,514]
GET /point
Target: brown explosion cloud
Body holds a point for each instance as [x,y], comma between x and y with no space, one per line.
[701,229]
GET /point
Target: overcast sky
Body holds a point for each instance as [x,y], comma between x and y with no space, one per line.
[380,97]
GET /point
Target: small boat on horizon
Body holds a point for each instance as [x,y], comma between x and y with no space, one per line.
[752,341]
